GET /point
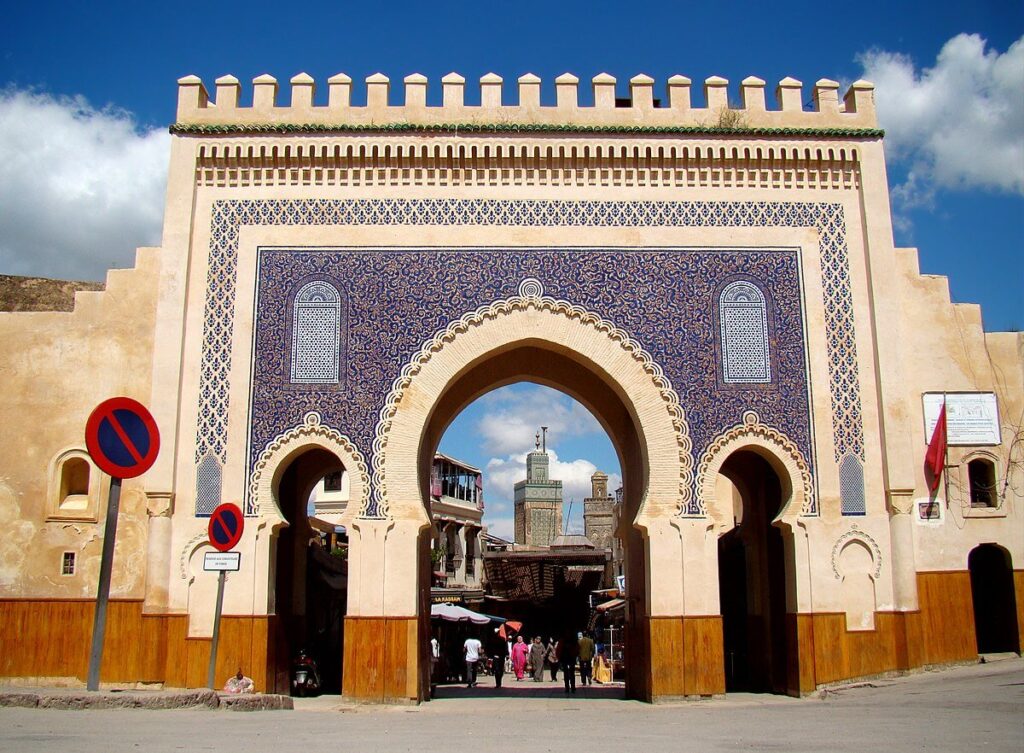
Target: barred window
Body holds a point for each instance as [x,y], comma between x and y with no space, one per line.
[851,486]
[316,333]
[743,318]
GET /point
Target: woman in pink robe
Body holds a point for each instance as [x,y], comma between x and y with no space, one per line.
[519,652]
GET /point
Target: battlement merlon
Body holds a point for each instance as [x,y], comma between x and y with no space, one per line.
[856,110]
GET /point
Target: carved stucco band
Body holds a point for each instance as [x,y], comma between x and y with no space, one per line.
[752,431]
[531,297]
[312,431]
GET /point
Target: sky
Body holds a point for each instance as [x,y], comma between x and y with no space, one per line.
[87,91]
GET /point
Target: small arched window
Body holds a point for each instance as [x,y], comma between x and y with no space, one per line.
[316,334]
[981,472]
[73,488]
[743,321]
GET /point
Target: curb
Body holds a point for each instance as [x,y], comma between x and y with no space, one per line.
[161,701]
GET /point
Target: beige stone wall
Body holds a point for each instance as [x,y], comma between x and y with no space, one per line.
[57,366]
[946,349]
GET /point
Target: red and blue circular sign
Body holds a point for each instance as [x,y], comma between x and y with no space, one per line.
[225,528]
[122,437]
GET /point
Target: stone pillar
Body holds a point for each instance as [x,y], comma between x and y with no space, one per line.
[159,508]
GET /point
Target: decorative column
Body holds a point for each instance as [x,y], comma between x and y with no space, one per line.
[159,508]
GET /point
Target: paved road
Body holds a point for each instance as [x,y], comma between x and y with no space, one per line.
[976,708]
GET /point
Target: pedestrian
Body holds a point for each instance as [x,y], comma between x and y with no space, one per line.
[552,659]
[499,652]
[537,653]
[519,652]
[586,647]
[239,683]
[568,649]
[602,670]
[472,649]
[435,657]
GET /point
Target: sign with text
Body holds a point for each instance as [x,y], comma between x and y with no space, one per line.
[972,418]
[230,561]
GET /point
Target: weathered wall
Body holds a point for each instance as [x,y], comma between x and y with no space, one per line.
[56,368]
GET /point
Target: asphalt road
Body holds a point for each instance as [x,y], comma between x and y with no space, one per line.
[975,708]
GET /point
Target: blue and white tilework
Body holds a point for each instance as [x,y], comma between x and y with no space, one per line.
[398,298]
[618,288]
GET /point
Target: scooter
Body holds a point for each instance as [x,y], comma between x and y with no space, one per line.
[305,677]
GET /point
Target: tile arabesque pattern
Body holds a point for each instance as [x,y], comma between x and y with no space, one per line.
[229,215]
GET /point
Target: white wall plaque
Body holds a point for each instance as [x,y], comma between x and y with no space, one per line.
[215,561]
[972,418]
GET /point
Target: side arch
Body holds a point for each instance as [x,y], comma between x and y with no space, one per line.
[272,462]
[775,447]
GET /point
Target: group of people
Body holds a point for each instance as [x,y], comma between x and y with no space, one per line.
[563,654]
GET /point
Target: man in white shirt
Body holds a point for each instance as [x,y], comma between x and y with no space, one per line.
[471,648]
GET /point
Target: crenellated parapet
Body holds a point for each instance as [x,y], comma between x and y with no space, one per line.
[746,111]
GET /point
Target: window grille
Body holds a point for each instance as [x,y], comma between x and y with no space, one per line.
[316,334]
[743,320]
[851,486]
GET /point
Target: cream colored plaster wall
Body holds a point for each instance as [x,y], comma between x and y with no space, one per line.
[947,350]
[56,368]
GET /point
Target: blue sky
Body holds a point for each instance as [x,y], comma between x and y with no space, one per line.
[88,89]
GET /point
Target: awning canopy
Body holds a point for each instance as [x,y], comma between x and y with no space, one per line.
[452,613]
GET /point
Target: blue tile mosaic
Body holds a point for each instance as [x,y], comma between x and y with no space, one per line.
[398,299]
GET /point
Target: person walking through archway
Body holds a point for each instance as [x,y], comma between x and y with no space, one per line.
[568,649]
[586,648]
[519,652]
[472,648]
[537,654]
[498,650]
[552,659]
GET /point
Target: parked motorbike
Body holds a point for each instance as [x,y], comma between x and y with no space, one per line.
[305,677]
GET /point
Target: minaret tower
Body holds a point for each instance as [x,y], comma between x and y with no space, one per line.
[538,499]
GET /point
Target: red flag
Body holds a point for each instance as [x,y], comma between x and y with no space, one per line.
[935,458]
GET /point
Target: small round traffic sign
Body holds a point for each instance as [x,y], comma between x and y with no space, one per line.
[122,437]
[225,528]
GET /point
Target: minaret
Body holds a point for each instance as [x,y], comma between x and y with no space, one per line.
[538,499]
[598,511]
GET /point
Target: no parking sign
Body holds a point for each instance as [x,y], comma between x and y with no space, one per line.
[123,441]
[122,437]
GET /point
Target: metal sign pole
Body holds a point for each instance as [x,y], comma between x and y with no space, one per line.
[99,625]
[210,672]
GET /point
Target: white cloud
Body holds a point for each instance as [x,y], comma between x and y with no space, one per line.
[501,475]
[513,415]
[80,188]
[958,124]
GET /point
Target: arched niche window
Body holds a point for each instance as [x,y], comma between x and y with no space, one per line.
[316,334]
[851,486]
[743,323]
[981,475]
[74,487]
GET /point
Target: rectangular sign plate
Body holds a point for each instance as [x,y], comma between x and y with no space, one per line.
[215,561]
[972,418]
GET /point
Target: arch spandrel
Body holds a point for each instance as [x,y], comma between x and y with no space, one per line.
[289,445]
[775,447]
[531,318]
